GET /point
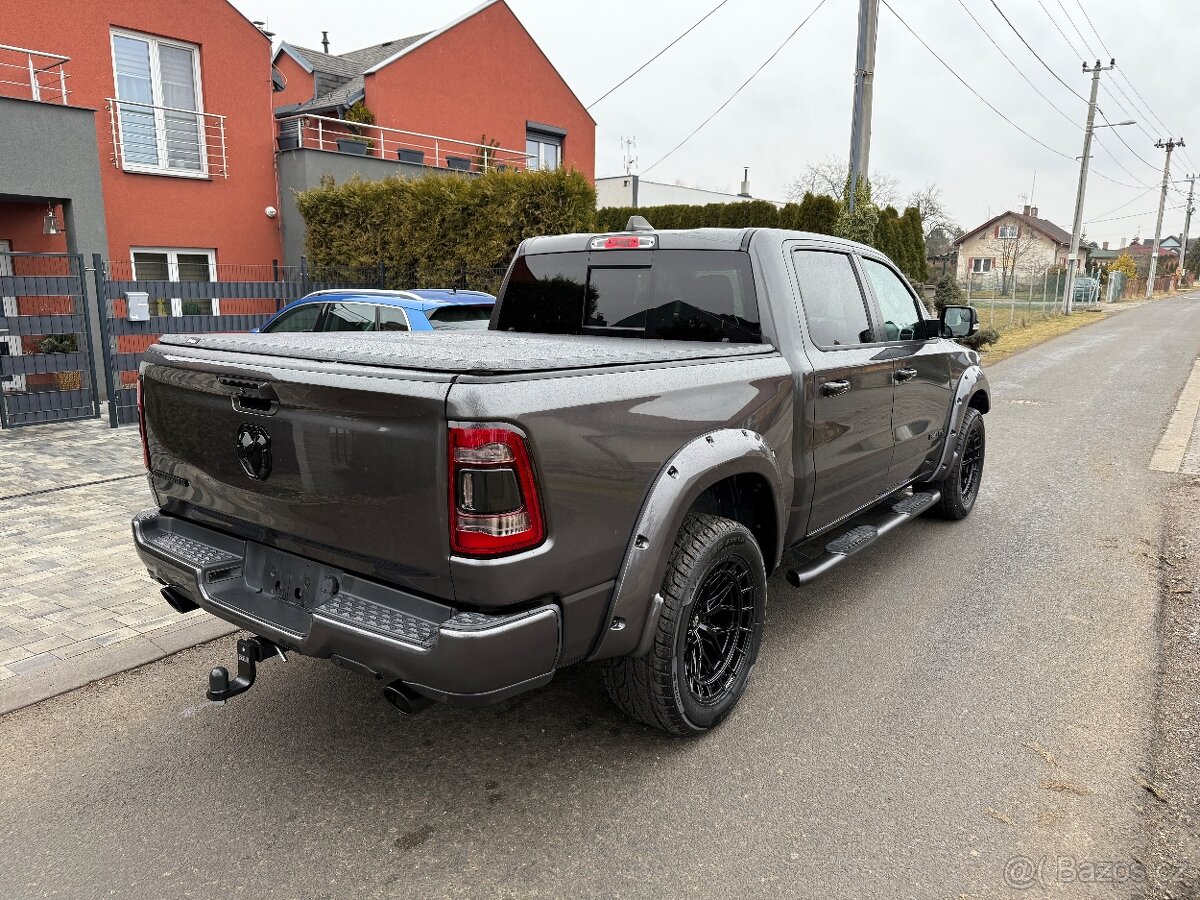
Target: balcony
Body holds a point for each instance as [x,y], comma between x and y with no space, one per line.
[308,132]
[167,140]
[33,75]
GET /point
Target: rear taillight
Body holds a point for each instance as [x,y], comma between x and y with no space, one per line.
[141,411]
[494,503]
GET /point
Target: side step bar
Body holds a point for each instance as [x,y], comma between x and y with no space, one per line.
[802,568]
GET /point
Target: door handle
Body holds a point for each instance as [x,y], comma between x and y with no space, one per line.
[906,374]
[833,388]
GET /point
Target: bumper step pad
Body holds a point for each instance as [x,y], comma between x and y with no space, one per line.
[193,552]
[383,620]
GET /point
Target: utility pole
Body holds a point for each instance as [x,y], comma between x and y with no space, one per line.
[864,75]
[1073,258]
[1169,146]
[1187,221]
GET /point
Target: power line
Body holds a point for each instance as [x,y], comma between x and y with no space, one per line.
[1058,28]
[978,95]
[1017,68]
[1102,218]
[1125,77]
[1035,53]
[1071,22]
[740,88]
[1103,46]
[1152,212]
[1087,47]
[1038,91]
[990,106]
[692,28]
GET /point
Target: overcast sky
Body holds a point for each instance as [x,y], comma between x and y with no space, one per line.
[927,126]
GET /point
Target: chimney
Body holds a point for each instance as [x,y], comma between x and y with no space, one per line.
[1104,246]
[1026,210]
[745,191]
[325,41]
[1033,212]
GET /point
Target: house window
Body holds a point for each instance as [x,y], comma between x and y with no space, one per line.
[158,105]
[981,264]
[1007,231]
[160,264]
[543,151]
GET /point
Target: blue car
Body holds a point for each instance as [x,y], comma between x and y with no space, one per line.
[364,310]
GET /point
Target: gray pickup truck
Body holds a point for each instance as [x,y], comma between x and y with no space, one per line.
[653,423]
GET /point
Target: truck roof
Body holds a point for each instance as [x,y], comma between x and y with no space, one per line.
[687,239]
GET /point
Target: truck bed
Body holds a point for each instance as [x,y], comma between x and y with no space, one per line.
[473,352]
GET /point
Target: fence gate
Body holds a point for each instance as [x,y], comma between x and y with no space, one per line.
[46,372]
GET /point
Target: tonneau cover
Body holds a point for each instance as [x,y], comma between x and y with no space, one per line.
[467,351]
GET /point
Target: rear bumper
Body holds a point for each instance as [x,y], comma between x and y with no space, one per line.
[464,658]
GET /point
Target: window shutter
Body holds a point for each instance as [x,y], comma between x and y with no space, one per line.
[996,231]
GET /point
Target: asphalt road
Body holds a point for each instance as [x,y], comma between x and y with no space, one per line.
[957,696]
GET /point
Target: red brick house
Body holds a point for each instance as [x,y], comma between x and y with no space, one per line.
[434,108]
[180,98]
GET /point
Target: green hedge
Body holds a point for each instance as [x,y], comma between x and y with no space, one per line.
[900,236]
[816,212]
[438,230]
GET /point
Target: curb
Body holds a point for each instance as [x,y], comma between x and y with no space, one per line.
[70,674]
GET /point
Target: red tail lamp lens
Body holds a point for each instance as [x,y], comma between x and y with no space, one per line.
[494,504]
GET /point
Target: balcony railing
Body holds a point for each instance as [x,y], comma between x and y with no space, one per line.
[33,75]
[396,145]
[167,140]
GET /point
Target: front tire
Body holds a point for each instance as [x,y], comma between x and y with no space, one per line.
[960,488]
[707,635]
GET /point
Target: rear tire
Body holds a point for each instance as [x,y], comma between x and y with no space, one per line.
[960,487]
[707,636]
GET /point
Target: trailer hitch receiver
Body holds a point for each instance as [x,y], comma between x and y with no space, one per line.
[250,652]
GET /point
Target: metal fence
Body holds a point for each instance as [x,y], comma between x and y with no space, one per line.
[232,298]
[46,346]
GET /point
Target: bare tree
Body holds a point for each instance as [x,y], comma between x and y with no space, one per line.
[933,209]
[828,176]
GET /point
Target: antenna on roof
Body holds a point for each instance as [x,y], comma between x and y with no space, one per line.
[325,41]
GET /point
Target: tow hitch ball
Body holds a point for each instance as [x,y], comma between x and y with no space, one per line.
[250,652]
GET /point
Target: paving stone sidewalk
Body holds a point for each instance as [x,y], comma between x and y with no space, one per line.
[75,601]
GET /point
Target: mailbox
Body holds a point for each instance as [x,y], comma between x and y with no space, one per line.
[138,305]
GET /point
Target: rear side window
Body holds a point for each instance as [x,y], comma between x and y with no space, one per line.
[459,317]
[392,318]
[302,318]
[680,295]
[349,317]
[834,307]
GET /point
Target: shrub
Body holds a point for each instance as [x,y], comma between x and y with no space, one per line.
[438,230]
[980,339]
[59,343]
[946,293]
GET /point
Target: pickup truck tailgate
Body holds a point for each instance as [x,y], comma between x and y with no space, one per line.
[347,468]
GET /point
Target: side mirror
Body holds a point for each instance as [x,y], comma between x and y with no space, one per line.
[959,321]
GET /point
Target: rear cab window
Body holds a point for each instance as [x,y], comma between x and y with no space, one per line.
[835,309]
[680,295]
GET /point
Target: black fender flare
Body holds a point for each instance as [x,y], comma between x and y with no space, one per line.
[970,383]
[695,467]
